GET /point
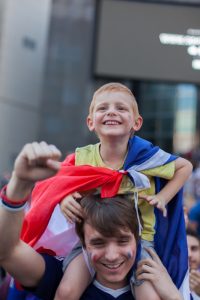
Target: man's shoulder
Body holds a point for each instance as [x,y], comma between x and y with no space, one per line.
[93,292]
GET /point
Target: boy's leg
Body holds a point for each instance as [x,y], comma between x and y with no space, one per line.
[75,280]
[146,291]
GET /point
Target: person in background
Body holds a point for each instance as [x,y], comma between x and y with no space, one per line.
[194,218]
[194,263]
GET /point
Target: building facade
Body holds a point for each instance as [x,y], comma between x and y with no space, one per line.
[47,81]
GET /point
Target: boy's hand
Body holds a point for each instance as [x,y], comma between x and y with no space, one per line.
[71,209]
[36,161]
[154,200]
[153,270]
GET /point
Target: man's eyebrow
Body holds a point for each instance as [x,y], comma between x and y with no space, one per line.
[123,237]
[124,234]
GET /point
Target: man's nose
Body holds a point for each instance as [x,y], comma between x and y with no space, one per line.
[112,252]
[189,252]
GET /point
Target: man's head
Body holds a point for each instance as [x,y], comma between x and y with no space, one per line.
[113,105]
[193,249]
[109,233]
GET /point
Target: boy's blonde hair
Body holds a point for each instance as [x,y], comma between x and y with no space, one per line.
[114,87]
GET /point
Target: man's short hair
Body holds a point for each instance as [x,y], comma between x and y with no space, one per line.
[108,216]
[193,233]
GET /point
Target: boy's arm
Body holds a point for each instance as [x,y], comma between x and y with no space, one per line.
[35,162]
[183,169]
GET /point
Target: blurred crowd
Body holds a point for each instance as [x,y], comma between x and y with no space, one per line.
[192,220]
[192,193]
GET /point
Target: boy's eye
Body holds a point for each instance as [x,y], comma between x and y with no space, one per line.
[121,108]
[100,108]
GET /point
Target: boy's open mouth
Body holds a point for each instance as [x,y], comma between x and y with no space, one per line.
[111,122]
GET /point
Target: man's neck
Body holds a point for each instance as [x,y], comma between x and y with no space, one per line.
[114,292]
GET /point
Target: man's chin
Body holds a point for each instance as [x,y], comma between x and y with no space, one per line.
[193,267]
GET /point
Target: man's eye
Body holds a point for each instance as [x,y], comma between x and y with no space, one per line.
[123,241]
[98,243]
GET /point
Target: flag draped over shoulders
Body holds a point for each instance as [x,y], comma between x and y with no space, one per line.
[170,237]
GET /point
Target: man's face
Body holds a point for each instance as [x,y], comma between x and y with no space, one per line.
[193,252]
[111,257]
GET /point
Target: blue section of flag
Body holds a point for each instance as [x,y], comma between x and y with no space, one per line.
[139,150]
[170,237]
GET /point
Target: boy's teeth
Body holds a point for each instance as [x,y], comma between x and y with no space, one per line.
[111,123]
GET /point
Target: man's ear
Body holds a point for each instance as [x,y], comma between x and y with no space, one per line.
[138,124]
[90,123]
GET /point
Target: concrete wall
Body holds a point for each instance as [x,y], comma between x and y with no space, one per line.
[22,58]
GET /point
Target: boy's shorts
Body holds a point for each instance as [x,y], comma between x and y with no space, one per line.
[144,254]
[73,254]
[78,249]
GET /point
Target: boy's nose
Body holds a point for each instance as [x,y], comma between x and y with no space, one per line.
[111,111]
[111,108]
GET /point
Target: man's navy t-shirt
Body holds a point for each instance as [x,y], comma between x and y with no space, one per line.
[93,292]
[47,286]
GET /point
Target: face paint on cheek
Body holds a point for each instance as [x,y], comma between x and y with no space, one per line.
[93,256]
[129,255]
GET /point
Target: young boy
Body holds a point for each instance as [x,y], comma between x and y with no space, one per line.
[114,117]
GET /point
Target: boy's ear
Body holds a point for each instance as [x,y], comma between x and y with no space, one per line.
[138,124]
[90,123]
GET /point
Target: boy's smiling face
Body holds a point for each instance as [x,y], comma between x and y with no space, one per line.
[113,115]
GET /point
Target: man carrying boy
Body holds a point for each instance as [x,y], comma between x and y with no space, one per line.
[114,117]
[112,254]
